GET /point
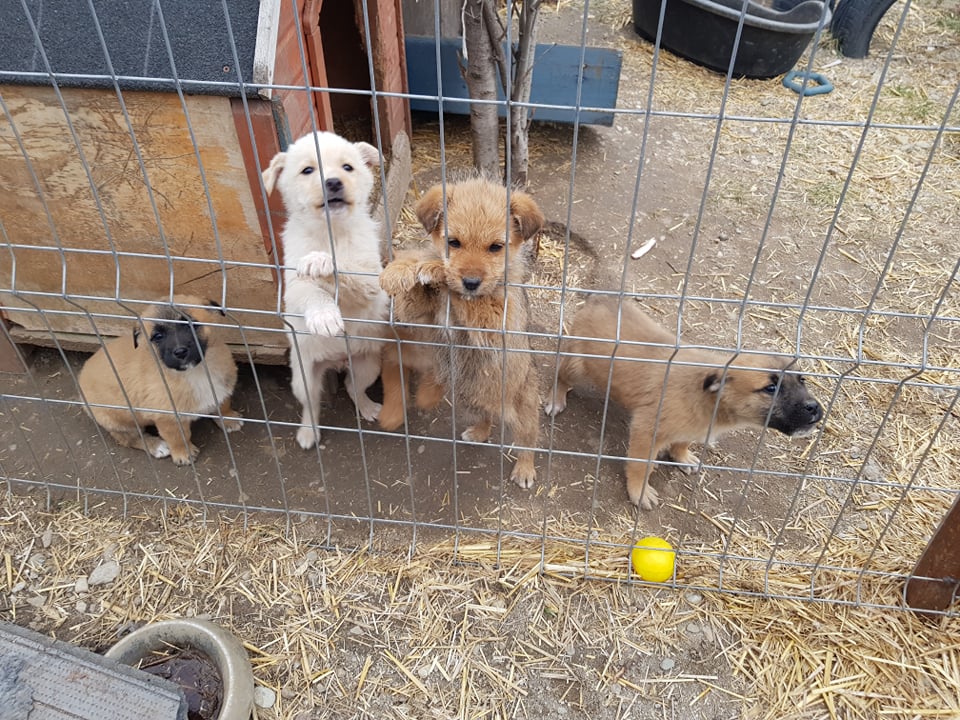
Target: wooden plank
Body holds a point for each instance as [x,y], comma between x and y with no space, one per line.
[88,343]
[103,239]
[555,72]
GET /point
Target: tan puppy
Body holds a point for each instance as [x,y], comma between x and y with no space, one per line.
[176,368]
[473,270]
[700,402]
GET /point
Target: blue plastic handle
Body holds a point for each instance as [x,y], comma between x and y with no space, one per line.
[817,84]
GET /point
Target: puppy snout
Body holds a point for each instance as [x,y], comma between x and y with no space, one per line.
[181,352]
[470,284]
[813,410]
[334,186]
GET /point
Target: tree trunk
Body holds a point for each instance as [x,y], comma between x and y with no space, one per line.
[520,92]
[481,79]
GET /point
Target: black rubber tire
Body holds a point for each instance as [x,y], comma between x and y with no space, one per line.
[854,22]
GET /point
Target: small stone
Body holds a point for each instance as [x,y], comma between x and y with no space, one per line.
[708,634]
[47,538]
[424,671]
[18,587]
[110,551]
[264,697]
[694,598]
[668,664]
[81,586]
[722,237]
[81,606]
[287,694]
[104,573]
[693,628]
[36,601]
[37,560]
[421,449]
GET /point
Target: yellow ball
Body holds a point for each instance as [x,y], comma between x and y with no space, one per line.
[653,559]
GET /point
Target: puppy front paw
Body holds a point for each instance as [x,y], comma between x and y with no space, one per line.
[555,407]
[369,410]
[647,499]
[307,436]
[524,473]
[230,424]
[324,320]
[398,277]
[185,459]
[431,272]
[157,447]
[315,265]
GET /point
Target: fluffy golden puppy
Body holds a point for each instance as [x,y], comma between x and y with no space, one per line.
[697,397]
[467,283]
[176,368]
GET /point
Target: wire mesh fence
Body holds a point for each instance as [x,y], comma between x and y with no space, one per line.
[743,217]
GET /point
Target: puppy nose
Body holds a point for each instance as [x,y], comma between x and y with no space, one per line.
[814,409]
[471,283]
[334,185]
[181,352]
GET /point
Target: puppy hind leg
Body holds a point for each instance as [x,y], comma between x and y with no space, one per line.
[641,453]
[523,421]
[570,370]
[307,385]
[430,390]
[362,372]
[680,453]
[175,432]
[394,389]
[154,446]
[230,420]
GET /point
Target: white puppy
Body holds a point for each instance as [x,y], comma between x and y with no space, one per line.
[331,249]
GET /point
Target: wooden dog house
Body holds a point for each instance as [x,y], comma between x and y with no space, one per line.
[131,145]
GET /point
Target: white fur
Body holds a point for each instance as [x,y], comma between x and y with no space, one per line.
[332,264]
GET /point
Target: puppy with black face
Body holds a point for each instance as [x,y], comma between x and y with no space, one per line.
[677,396]
[174,367]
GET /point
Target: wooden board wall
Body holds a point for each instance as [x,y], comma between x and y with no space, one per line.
[69,230]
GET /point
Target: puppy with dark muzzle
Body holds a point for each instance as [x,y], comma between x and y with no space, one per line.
[174,367]
[677,396]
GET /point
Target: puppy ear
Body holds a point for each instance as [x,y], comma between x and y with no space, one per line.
[430,207]
[370,155]
[712,382]
[218,306]
[136,337]
[270,174]
[526,214]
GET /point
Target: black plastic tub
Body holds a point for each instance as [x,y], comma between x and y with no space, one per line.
[772,41]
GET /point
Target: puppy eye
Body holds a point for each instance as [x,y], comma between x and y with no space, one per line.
[771,389]
[348,167]
[496,247]
[157,336]
[453,242]
[801,379]
[307,170]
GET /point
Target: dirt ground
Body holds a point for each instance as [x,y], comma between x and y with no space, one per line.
[747,234]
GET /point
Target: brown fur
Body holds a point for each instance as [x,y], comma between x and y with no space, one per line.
[129,372]
[466,269]
[700,401]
